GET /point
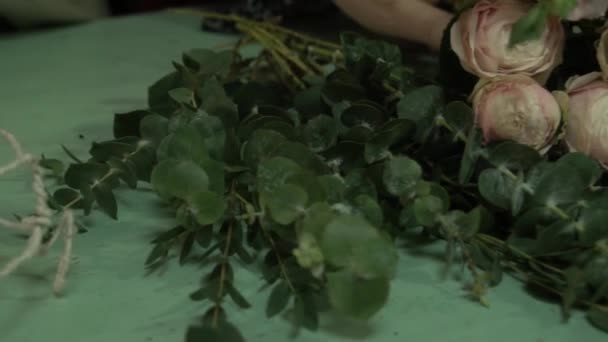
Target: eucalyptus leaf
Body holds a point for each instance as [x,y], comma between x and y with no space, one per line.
[106,200]
[421,107]
[401,175]
[473,150]
[513,156]
[427,210]
[85,174]
[305,312]
[215,102]
[362,114]
[370,209]
[350,241]
[588,169]
[496,187]
[207,207]
[559,185]
[262,144]
[208,62]
[286,203]
[320,133]
[459,116]
[126,171]
[213,133]
[599,318]
[274,172]
[278,300]
[179,178]
[185,143]
[345,289]
[387,135]
[154,128]
[65,196]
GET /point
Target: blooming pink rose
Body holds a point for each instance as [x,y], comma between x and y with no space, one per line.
[587,120]
[517,108]
[480,37]
[588,9]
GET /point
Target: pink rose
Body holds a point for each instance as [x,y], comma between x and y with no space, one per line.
[588,9]
[480,37]
[517,108]
[601,53]
[587,120]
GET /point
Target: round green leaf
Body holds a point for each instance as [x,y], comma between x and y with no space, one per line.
[321,132]
[370,209]
[496,187]
[559,185]
[513,156]
[274,172]
[350,241]
[362,114]
[401,175]
[185,143]
[207,207]
[441,193]
[357,183]
[420,105]
[286,203]
[427,209]
[261,145]
[334,187]
[213,133]
[359,134]
[316,219]
[344,236]
[459,116]
[356,297]
[179,178]
[341,86]
[302,155]
[592,226]
[309,182]
[588,169]
[386,136]
[281,125]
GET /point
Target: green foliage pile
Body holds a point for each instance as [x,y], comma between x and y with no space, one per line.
[311,161]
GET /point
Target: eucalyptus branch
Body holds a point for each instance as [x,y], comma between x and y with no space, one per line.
[503,245]
[271,241]
[279,260]
[108,174]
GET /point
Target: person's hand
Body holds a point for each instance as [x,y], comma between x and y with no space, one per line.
[414,20]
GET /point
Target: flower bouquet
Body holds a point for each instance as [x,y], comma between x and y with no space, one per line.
[310,161]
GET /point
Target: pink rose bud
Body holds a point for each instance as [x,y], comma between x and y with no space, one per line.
[587,119]
[480,38]
[588,9]
[517,108]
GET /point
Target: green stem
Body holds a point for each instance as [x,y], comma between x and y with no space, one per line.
[503,245]
[220,290]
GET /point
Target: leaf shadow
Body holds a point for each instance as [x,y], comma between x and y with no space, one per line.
[344,327]
[420,245]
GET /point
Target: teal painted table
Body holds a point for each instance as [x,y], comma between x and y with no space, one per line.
[59,84]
